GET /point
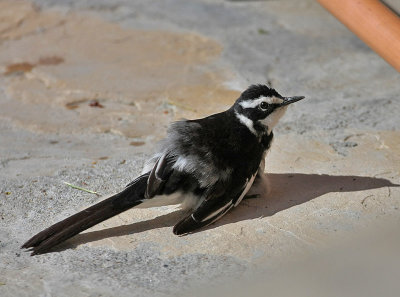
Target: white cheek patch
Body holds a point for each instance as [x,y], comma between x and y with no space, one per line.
[271,120]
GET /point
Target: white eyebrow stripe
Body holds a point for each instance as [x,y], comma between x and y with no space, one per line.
[274,100]
[256,102]
[252,103]
[247,122]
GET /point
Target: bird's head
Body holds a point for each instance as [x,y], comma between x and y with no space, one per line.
[260,108]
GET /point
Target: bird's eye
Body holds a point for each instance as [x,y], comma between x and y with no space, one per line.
[263,105]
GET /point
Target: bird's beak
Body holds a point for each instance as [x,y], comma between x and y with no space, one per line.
[290,100]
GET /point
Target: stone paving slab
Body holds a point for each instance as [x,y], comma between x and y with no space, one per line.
[87,88]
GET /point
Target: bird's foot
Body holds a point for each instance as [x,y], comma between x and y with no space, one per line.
[252,196]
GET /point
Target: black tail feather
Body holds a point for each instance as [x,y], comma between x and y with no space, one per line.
[61,231]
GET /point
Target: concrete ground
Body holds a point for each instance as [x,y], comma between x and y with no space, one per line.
[87,88]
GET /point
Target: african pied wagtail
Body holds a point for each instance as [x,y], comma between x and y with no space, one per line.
[208,165]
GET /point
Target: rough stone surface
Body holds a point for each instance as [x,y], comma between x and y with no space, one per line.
[87,88]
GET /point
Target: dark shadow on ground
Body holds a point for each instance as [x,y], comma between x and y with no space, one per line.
[292,189]
[166,220]
[287,190]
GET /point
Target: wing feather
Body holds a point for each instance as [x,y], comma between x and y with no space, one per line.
[159,175]
[212,210]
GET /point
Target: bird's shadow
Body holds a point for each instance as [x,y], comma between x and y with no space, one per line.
[288,190]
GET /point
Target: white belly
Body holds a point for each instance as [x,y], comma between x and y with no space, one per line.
[186,201]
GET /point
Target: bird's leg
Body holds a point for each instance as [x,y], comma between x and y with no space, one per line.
[260,187]
[253,196]
[256,189]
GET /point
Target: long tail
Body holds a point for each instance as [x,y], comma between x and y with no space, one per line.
[131,196]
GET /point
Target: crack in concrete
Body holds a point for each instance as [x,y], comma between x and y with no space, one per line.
[290,233]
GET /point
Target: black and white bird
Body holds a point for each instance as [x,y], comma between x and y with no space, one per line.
[207,165]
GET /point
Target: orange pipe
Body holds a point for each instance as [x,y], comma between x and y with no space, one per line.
[373,23]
